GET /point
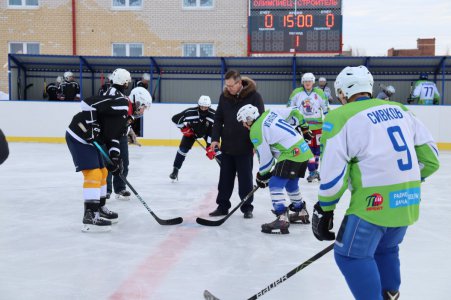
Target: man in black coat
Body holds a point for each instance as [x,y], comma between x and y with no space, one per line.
[236,147]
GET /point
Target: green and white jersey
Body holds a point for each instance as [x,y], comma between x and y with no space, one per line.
[313,105]
[382,151]
[426,93]
[276,140]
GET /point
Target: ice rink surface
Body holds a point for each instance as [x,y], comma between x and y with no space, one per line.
[44,254]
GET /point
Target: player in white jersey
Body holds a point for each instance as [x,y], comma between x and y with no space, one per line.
[281,146]
[382,152]
[312,103]
[425,92]
[322,84]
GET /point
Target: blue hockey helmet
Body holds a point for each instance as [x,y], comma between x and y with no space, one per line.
[424,76]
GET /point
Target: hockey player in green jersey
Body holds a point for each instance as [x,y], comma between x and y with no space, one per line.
[280,145]
[383,152]
[425,92]
[313,105]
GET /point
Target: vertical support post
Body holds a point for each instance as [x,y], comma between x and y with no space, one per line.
[9,78]
[92,84]
[81,78]
[442,101]
[151,76]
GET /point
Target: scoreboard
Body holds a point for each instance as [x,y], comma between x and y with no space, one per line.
[295,26]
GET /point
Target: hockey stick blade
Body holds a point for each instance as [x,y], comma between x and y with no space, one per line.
[206,222]
[174,221]
[209,296]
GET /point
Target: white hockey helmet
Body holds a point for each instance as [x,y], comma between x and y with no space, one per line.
[140,97]
[146,76]
[390,89]
[68,74]
[322,79]
[247,113]
[121,77]
[204,101]
[59,79]
[308,77]
[354,80]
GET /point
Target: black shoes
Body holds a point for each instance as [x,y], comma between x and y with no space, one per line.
[218,212]
[175,174]
[248,215]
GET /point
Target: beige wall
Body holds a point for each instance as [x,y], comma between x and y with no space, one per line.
[161,25]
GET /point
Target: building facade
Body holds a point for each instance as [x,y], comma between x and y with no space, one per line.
[122,28]
[425,47]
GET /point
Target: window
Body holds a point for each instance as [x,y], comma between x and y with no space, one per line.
[24,48]
[197,3]
[23,3]
[199,50]
[127,49]
[127,4]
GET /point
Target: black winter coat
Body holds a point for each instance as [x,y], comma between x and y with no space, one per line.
[233,135]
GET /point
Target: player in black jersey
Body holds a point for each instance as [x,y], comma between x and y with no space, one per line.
[114,182]
[103,119]
[53,89]
[69,88]
[105,86]
[195,122]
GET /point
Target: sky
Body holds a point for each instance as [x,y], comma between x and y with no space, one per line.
[373,27]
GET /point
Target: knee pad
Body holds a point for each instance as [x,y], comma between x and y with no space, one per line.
[92,178]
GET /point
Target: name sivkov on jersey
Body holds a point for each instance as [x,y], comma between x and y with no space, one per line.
[385,114]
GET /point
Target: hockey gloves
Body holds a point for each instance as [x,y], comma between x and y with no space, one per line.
[263,180]
[187,131]
[211,153]
[92,134]
[306,133]
[117,167]
[322,223]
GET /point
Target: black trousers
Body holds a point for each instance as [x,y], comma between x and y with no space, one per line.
[185,146]
[115,182]
[232,165]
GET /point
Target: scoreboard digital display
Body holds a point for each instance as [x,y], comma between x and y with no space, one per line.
[295,26]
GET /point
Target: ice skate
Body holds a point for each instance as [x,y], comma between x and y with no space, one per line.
[313,177]
[123,195]
[93,223]
[299,216]
[279,225]
[390,295]
[174,175]
[108,215]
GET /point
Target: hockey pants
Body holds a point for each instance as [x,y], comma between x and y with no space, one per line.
[368,257]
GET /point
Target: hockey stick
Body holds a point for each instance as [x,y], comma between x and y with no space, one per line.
[200,144]
[174,221]
[210,296]
[206,222]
